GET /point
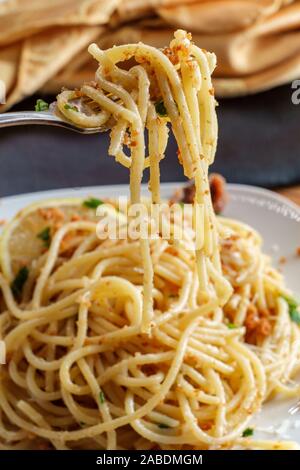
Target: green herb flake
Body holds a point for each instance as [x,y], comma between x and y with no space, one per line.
[163,426]
[293,309]
[71,107]
[101,397]
[161,109]
[295,316]
[248,432]
[292,303]
[231,326]
[19,281]
[41,105]
[92,203]
[45,236]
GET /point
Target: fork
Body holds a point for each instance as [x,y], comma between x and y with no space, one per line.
[46,118]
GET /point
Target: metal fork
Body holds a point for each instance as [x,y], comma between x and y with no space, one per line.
[45,118]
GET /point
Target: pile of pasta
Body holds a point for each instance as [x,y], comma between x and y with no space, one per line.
[80,374]
[142,343]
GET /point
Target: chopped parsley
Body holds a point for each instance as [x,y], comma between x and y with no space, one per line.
[248,432]
[101,397]
[295,316]
[163,426]
[19,281]
[92,203]
[69,106]
[161,109]
[293,309]
[45,236]
[41,105]
[231,326]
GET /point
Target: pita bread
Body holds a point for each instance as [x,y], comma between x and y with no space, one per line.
[249,60]
[200,15]
[217,16]
[9,59]
[256,41]
[27,17]
[80,70]
[285,72]
[68,80]
[43,55]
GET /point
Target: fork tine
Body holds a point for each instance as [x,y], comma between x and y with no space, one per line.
[42,118]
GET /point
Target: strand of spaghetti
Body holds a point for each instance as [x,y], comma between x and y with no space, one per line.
[103,407]
[154,155]
[136,172]
[54,248]
[95,120]
[209,129]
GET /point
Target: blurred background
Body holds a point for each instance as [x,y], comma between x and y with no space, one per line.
[43,47]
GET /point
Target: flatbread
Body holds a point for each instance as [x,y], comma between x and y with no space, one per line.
[256,41]
[217,16]
[80,70]
[285,72]
[252,59]
[22,18]
[9,59]
[43,55]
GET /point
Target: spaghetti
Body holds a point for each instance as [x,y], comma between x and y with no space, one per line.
[122,344]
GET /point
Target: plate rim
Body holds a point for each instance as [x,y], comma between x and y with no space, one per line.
[232,187]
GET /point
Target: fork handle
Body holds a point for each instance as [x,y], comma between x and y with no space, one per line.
[19,118]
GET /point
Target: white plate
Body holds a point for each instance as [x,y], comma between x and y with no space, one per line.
[277,220]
